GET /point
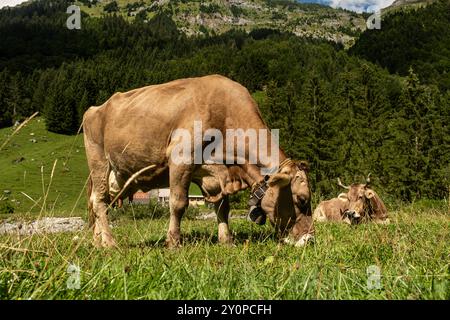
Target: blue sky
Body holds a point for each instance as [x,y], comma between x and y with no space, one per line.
[355,5]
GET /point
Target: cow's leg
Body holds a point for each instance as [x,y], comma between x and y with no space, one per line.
[99,197]
[222,209]
[180,178]
[303,231]
[100,200]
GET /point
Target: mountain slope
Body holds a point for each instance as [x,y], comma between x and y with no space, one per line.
[412,38]
[399,5]
[218,16]
[404,3]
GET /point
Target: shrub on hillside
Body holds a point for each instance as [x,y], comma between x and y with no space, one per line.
[111,7]
[5,206]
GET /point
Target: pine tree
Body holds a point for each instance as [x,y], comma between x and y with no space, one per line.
[5,111]
[60,107]
[15,98]
[40,92]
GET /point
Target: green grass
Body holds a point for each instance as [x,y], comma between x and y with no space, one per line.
[412,252]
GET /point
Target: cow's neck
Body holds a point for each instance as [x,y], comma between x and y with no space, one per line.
[254,171]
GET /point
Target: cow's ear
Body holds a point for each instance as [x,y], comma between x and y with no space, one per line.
[369,193]
[303,165]
[279,180]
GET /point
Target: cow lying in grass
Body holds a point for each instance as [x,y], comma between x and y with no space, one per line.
[360,203]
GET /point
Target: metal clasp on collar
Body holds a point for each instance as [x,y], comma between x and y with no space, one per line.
[259,193]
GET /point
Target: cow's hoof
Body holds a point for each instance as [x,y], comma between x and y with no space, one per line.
[105,244]
[171,244]
[227,242]
[108,242]
[386,221]
[104,241]
[304,240]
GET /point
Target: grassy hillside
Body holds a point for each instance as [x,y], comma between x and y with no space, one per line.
[27,163]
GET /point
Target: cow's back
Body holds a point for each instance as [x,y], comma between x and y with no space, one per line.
[211,99]
[330,210]
[137,125]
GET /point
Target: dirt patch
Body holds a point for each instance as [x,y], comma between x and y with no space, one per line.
[43,225]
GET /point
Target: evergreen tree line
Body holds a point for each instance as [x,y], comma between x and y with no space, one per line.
[419,38]
[343,114]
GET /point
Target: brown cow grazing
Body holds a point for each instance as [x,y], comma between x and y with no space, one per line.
[358,204]
[132,135]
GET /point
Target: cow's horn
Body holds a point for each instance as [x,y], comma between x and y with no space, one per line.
[368,179]
[341,185]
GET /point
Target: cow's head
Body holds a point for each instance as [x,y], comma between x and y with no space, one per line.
[300,187]
[360,198]
[287,202]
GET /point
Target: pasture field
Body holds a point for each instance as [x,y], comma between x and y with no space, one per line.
[412,253]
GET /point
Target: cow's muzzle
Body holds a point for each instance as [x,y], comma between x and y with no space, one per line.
[302,241]
[257,215]
[355,217]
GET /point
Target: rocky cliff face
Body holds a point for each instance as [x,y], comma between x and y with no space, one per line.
[218,16]
[406,5]
[399,4]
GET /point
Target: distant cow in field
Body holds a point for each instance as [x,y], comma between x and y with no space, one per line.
[358,204]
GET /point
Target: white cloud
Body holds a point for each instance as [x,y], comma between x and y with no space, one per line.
[360,5]
[10,3]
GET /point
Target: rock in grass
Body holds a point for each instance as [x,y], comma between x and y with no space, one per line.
[43,225]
